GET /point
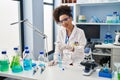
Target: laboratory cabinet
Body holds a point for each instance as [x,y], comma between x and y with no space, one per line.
[108,50]
[84,15]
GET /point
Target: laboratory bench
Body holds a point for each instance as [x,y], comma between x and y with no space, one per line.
[69,72]
[55,73]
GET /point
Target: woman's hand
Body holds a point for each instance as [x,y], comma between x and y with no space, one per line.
[52,63]
[67,46]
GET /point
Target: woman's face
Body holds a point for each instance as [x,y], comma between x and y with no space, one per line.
[65,21]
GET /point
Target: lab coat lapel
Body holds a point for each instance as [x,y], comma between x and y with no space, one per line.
[73,33]
[64,34]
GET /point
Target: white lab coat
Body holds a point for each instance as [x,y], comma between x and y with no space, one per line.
[68,56]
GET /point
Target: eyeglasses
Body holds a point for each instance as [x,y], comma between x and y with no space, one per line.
[65,19]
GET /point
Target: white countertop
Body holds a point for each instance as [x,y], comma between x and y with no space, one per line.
[70,73]
[25,75]
[107,46]
[55,73]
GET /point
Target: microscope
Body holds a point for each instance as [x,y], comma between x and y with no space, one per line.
[117,38]
[88,62]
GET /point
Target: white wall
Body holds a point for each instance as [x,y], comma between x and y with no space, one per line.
[9,34]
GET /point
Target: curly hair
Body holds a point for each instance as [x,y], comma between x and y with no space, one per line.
[61,10]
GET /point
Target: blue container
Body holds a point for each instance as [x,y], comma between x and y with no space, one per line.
[105,74]
[27,61]
[108,38]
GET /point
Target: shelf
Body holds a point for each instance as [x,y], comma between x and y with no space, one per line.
[98,24]
[101,3]
[93,4]
[107,46]
[102,54]
[78,6]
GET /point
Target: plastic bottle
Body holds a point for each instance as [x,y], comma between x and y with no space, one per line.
[27,61]
[15,64]
[59,61]
[109,18]
[41,60]
[108,38]
[105,40]
[25,49]
[114,19]
[41,57]
[4,62]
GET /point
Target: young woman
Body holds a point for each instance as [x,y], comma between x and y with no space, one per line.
[70,39]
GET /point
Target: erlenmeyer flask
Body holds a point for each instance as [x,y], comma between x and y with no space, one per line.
[15,64]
